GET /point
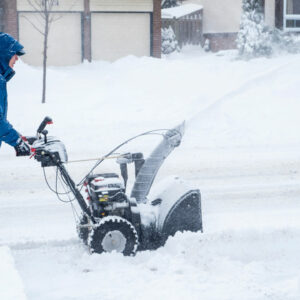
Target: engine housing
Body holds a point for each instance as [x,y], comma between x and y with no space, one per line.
[106,195]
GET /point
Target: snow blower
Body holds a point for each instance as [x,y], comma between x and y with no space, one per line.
[113,219]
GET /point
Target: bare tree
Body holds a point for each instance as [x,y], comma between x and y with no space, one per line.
[44,9]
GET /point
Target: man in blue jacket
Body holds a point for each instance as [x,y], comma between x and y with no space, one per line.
[10,49]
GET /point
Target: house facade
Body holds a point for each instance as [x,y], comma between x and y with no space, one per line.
[86,29]
[221,19]
[110,29]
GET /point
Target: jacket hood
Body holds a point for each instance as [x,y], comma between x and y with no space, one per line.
[8,48]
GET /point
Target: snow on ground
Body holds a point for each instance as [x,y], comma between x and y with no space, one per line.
[12,286]
[241,148]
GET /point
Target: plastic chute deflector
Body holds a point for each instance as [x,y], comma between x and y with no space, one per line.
[148,171]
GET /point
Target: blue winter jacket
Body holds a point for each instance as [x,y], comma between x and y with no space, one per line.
[8,48]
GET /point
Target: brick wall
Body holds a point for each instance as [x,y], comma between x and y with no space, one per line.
[156,50]
[10,17]
[1,16]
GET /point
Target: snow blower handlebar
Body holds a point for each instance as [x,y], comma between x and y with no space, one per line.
[51,152]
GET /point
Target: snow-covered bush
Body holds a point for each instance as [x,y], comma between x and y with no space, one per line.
[169,42]
[285,42]
[206,46]
[254,38]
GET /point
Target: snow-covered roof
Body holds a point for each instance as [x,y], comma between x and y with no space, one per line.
[180,11]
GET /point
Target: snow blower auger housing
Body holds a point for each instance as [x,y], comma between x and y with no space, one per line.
[112,219]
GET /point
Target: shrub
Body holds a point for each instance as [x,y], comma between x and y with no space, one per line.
[254,38]
[169,42]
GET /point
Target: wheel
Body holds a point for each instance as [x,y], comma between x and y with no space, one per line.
[114,234]
[83,232]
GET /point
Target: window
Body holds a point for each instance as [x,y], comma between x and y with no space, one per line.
[291,15]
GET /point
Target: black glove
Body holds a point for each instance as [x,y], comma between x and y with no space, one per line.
[22,148]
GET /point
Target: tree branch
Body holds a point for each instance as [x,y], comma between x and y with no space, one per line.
[35,27]
[54,19]
[36,8]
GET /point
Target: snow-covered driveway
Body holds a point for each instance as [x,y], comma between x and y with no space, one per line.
[241,149]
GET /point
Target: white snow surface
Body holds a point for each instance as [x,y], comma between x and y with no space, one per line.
[241,148]
[11,287]
[180,11]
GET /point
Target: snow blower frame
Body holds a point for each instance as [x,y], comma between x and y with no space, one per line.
[113,221]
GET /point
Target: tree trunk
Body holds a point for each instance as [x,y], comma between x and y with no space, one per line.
[45,53]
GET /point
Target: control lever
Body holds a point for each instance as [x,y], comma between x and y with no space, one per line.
[44,133]
[45,122]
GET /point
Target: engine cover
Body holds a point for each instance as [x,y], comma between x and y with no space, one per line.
[106,193]
[107,185]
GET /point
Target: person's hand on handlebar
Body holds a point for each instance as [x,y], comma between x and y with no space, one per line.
[22,148]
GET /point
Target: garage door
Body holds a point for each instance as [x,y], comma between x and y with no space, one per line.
[64,39]
[115,35]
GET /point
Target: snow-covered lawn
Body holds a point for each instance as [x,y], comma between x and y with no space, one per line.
[241,148]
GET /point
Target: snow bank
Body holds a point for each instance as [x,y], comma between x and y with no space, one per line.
[227,103]
[228,265]
[260,110]
[11,286]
